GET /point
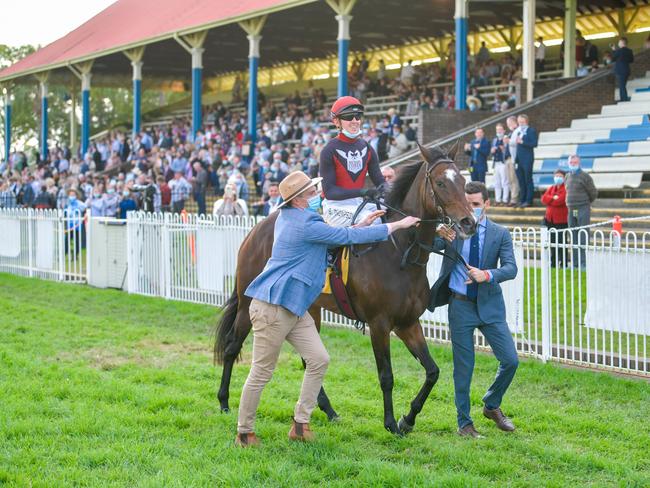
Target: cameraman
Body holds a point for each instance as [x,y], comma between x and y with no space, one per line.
[148,192]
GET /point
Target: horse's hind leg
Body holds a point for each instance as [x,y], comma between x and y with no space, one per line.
[380,337]
[323,401]
[416,344]
[241,328]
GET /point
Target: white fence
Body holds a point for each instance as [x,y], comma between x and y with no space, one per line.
[48,244]
[580,296]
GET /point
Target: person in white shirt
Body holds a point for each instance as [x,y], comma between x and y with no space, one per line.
[230,204]
[540,54]
[511,153]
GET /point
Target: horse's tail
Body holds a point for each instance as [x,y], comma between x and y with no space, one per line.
[225,326]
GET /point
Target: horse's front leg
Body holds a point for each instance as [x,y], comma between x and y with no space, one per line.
[323,401]
[416,344]
[380,337]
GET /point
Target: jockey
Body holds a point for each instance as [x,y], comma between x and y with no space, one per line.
[344,163]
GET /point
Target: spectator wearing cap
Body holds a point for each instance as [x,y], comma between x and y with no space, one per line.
[556,216]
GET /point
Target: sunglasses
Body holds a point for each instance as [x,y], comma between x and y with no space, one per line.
[350,117]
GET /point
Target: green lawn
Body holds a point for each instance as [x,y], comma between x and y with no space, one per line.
[100,388]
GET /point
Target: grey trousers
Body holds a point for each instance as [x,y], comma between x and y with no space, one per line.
[578,217]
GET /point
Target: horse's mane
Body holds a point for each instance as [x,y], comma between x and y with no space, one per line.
[405,176]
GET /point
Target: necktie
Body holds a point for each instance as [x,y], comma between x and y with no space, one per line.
[472,288]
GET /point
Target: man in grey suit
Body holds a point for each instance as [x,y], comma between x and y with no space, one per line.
[475,300]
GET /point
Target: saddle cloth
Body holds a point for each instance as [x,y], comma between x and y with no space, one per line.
[336,280]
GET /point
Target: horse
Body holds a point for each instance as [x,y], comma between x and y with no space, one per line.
[388,285]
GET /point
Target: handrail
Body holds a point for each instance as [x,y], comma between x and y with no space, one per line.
[500,116]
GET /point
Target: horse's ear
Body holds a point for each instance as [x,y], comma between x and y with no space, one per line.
[426,154]
[453,150]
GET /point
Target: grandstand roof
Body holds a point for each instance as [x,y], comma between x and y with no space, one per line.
[297,30]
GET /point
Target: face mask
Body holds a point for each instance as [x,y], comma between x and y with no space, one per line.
[574,169]
[500,135]
[350,135]
[558,180]
[110,191]
[72,198]
[314,203]
[96,196]
[125,193]
[478,213]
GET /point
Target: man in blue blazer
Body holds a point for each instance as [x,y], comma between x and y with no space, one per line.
[622,57]
[479,151]
[475,300]
[285,289]
[524,160]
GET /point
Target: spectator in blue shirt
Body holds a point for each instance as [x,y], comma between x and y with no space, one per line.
[127,204]
[479,151]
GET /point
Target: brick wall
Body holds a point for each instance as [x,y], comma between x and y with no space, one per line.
[436,124]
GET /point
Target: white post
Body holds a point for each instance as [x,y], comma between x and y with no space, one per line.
[62,237]
[528,61]
[546,289]
[166,272]
[30,241]
[89,245]
[130,261]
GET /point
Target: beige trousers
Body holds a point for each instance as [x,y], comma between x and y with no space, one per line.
[272,324]
[514,181]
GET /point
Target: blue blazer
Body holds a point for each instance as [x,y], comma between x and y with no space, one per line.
[497,257]
[622,57]
[480,156]
[526,150]
[295,274]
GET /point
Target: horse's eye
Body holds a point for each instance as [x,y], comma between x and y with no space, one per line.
[440,184]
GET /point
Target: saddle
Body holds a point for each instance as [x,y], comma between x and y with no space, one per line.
[336,280]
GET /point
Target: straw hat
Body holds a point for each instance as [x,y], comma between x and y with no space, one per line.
[294,184]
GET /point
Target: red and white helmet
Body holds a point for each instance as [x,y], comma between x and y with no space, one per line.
[346,105]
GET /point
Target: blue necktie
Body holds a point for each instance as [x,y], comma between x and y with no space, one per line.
[472,288]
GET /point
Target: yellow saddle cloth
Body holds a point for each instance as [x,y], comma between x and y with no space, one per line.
[343,261]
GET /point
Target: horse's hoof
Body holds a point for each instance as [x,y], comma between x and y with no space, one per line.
[404,426]
[334,418]
[225,409]
[394,429]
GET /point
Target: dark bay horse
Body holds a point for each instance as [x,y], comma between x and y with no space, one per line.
[387,297]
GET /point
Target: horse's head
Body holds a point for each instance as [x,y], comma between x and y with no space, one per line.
[443,190]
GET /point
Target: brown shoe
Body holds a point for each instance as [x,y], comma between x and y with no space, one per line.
[246,440]
[469,431]
[301,432]
[503,422]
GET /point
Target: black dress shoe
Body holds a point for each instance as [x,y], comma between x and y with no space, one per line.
[469,431]
[503,422]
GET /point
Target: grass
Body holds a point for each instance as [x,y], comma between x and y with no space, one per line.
[101,388]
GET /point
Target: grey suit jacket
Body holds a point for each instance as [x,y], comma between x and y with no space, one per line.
[498,258]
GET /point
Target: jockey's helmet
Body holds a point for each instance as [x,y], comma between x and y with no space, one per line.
[346,105]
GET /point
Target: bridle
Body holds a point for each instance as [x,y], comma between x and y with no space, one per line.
[414,239]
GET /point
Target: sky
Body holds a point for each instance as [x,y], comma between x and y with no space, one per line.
[39,22]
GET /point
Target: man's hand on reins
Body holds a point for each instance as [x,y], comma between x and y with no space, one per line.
[370,218]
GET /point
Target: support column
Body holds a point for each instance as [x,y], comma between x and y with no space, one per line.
[193,44]
[528,72]
[570,7]
[253,27]
[83,72]
[135,56]
[344,50]
[73,120]
[197,74]
[343,17]
[42,79]
[7,101]
[85,112]
[461,53]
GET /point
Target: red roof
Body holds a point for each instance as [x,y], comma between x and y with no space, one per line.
[129,23]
